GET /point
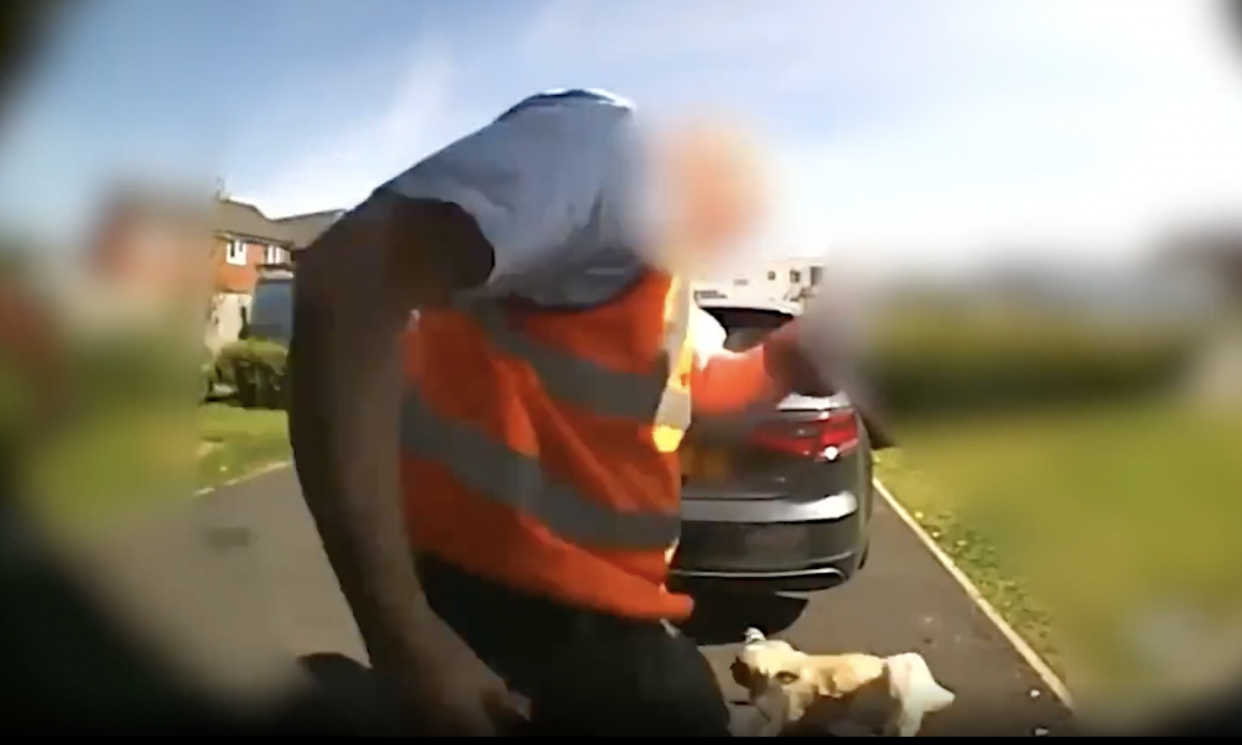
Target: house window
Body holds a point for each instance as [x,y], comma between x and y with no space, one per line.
[771,276]
[236,253]
[795,276]
[741,282]
[817,275]
[276,255]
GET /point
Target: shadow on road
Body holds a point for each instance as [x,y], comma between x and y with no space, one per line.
[722,618]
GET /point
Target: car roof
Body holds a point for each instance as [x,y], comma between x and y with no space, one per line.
[275,271]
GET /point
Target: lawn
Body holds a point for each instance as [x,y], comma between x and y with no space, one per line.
[1080,527]
[137,459]
[234,442]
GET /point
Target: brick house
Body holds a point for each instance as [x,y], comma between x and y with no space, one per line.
[143,237]
[244,240]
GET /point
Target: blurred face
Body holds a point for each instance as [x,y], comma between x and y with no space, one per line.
[714,194]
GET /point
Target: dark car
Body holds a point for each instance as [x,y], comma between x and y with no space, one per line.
[779,500]
[271,309]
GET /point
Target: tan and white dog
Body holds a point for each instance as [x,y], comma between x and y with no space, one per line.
[847,694]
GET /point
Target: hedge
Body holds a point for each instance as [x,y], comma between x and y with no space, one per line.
[932,365]
[924,366]
[256,370]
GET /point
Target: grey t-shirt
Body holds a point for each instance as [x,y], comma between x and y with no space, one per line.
[554,186]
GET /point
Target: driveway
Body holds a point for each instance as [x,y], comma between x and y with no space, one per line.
[903,601]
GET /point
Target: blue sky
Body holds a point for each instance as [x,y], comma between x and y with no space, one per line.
[936,130]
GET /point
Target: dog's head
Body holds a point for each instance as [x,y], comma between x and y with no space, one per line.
[764,661]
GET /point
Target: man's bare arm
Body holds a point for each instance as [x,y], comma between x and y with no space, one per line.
[729,383]
[488,211]
[355,289]
[726,383]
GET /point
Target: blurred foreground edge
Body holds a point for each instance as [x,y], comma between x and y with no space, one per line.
[24,26]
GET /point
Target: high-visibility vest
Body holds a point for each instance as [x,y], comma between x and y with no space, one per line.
[539,447]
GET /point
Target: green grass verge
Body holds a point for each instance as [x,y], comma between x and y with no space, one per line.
[1076,525]
[134,460]
[235,442]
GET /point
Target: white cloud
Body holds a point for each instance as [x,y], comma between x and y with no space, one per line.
[954,128]
[344,169]
[1142,137]
[1075,175]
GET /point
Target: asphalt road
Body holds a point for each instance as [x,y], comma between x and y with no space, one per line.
[902,601]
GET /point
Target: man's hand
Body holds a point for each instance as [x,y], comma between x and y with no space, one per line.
[827,349]
[443,688]
[461,703]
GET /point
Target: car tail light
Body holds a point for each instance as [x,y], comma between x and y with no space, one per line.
[828,436]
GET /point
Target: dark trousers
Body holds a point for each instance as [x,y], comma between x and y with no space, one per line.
[585,673]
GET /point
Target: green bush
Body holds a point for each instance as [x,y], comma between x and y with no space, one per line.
[930,366]
[256,370]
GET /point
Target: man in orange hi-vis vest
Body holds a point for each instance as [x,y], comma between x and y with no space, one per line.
[520,440]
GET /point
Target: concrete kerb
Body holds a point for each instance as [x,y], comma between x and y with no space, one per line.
[270,467]
[1024,650]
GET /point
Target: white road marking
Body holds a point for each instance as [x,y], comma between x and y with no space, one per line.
[1029,655]
[241,479]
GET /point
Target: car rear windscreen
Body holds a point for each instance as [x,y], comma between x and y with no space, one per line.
[747,327]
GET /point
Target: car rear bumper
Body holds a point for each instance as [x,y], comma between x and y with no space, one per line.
[800,580]
[805,579]
[771,545]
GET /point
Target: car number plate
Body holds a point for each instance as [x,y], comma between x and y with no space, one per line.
[705,463]
[791,540]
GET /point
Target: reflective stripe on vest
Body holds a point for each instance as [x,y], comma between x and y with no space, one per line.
[673,415]
[507,477]
[514,480]
[584,383]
